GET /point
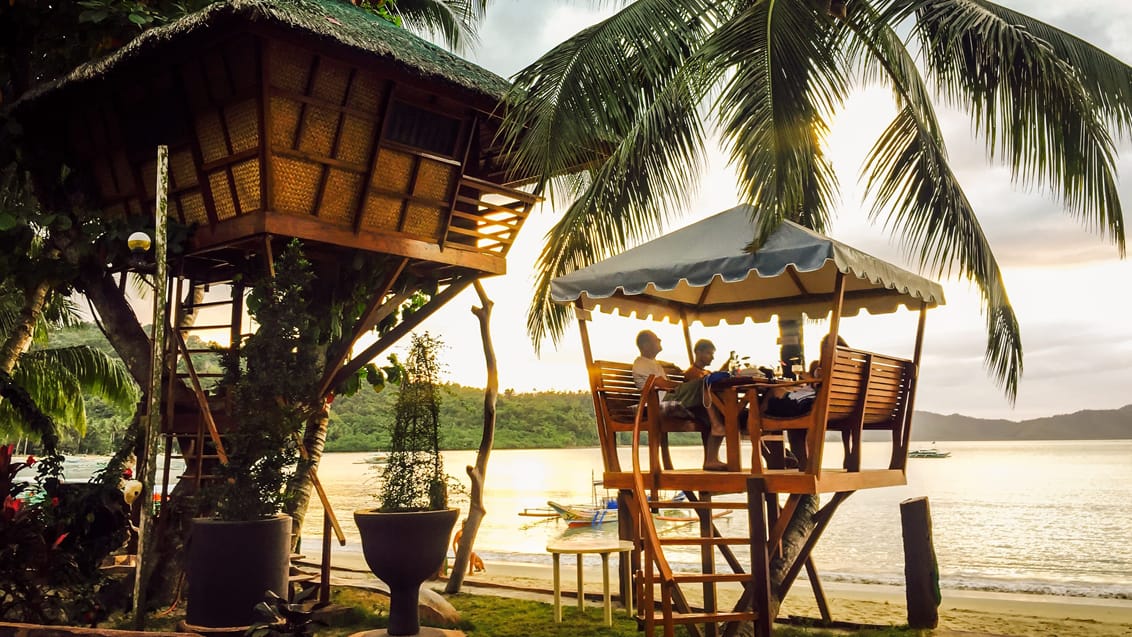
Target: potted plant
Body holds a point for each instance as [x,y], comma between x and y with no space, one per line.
[406,538]
[241,546]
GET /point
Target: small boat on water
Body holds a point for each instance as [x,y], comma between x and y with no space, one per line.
[928,453]
[538,512]
[585,514]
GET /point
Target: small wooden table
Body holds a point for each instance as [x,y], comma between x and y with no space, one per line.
[580,547]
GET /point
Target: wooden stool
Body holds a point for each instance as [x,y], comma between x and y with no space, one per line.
[579,548]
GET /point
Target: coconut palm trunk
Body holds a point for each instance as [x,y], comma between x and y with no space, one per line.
[23,328]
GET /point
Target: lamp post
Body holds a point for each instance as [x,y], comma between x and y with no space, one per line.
[151,420]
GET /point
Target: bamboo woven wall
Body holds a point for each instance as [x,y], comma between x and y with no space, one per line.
[257,125]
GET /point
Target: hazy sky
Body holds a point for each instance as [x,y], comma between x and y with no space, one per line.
[1069,288]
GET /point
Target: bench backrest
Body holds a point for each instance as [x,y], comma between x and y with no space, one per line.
[868,386]
[618,394]
[616,398]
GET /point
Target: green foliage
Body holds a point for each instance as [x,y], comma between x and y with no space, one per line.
[277,374]
[547,419]
[414,478]
[614,119]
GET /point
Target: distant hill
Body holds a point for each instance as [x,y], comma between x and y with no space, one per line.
[1090,424]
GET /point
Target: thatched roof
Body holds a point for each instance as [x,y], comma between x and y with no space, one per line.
[334,22]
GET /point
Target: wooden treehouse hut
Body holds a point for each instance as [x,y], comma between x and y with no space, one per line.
[307,119]
[704,273]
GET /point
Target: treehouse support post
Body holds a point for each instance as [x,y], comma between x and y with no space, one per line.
[153,399]
[478,473]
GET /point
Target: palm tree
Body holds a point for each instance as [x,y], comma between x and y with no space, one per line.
[614,119]
[57,379]
[454,21]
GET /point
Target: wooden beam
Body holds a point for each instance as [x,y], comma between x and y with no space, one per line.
[402,328]
[470,131]
[194,146]
[324,169]
[309,228]
[266,176]
[366,321]
[375,149]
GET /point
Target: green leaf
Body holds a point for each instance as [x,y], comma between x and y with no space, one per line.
[139,19]
[7,221]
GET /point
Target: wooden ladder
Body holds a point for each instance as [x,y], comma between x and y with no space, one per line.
[661,598]
[202,447]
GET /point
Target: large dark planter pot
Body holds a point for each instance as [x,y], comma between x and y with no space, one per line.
[403,550]
[231,565]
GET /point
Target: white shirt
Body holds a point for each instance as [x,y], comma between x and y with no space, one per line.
[645,367]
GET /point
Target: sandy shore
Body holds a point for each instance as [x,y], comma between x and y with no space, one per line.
[966,611]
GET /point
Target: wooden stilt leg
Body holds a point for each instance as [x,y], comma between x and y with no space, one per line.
[819,593]
[760,570]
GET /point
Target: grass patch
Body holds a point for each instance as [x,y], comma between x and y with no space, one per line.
[359,610]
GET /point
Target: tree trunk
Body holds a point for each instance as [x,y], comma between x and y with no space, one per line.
[478,473]
[798,533]
[300,488]
[120,323]
[23,331]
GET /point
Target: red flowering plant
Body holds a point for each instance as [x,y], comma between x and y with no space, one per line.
[48,570]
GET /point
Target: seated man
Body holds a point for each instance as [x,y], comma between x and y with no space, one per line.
[680,400]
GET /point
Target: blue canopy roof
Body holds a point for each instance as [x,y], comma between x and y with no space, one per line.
[703,272]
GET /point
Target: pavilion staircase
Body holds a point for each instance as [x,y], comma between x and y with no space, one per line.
[662,592]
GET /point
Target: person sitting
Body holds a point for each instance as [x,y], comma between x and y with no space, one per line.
[797,401]
[703,353]
[681,400]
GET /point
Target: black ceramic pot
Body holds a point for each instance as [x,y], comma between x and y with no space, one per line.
[403,550]
[231,565]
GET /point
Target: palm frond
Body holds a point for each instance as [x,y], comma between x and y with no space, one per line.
[787,80]
[95,373]
[53,389]
[909,177]
[1042,107]
[455,21]
[571,107]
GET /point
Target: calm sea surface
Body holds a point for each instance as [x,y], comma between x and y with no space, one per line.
[1036,517]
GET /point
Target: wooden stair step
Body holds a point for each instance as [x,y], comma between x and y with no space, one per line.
[190,328]
[686,504]
[707,618]
[703,541]
[698,578]
[208,304]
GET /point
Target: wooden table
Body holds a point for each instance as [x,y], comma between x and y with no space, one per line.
[580,547]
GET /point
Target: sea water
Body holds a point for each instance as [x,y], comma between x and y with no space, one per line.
[1032,517]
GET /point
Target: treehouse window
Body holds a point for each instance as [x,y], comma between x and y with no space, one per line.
[424,129]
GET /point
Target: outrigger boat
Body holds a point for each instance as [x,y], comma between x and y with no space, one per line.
[585,515]
[928,453]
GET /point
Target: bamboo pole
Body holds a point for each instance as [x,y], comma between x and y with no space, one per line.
[153,404]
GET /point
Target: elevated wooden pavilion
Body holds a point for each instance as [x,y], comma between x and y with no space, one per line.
[704,273]
[307,119]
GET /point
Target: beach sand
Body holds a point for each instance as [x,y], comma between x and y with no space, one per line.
[963,612]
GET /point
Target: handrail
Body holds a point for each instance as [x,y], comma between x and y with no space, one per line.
[644,515]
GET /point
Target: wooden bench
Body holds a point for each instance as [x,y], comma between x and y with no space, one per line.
[863,391]
[616,398]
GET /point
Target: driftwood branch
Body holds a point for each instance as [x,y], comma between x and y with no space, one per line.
[478,473]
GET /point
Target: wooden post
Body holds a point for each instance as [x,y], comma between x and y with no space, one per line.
[921,571]
[478,473]
[152,420]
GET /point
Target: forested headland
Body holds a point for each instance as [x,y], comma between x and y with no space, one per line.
[360,422]
[551,419]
